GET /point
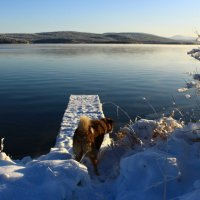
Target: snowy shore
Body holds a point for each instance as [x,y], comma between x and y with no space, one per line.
[157,168]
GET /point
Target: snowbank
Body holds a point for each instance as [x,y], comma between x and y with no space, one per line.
[162,163]
[166,169]
[48,179]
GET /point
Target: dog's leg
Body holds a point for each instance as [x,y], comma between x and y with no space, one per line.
[78,152]
[93,157]
[78,157]
[94,153]
[98,141]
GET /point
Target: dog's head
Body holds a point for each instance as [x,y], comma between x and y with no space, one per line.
[109,123]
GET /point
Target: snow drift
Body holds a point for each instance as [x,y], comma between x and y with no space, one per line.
[164,164]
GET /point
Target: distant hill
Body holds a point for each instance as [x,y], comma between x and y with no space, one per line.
[81,37]
[183,38]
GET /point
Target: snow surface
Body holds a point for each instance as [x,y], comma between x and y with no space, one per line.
[195,53]
[162,167]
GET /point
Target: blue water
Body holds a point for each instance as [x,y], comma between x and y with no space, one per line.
[37,80]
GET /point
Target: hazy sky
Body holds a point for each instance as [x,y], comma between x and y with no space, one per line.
[161,17]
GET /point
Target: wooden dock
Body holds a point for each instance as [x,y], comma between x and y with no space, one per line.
[78,105]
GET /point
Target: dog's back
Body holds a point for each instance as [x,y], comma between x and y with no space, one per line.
[89,136]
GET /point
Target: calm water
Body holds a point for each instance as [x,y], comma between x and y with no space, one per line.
[37,80]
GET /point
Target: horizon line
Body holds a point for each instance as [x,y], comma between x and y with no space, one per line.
[94,33]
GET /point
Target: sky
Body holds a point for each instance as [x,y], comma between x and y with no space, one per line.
[160,17]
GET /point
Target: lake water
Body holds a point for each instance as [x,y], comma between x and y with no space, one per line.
[37,80]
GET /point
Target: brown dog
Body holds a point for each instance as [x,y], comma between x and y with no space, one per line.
[88,138]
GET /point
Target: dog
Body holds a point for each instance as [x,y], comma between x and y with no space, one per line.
[88,138]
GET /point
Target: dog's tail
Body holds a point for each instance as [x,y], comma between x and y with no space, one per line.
[84,124]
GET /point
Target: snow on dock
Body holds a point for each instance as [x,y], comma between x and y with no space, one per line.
[78,105]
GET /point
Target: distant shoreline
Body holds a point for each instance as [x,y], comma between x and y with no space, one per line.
[192,44]
[69,37]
